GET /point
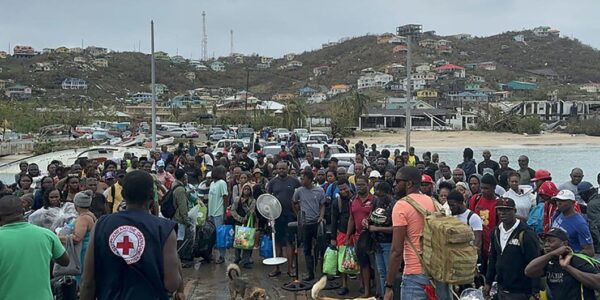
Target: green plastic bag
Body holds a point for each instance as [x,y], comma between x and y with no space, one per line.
[244,235]
[330,261]
[202,215]
[349,262]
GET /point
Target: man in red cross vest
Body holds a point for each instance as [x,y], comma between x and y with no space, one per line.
[133,254]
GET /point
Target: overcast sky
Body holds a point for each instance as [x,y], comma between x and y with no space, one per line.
[274,27]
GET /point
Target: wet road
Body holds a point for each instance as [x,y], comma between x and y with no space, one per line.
[209,281]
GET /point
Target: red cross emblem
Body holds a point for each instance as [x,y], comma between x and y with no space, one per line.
[127,242]
[125,245]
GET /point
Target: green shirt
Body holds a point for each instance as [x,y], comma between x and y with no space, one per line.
[25,254]
[216,192]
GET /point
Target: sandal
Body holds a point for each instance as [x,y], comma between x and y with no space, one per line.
[275,273]
[290,274]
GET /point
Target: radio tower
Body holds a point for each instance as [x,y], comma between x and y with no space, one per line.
[204,38]
[231,42]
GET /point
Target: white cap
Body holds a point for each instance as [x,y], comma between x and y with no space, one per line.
[565,195]
[209,174]
[374,173]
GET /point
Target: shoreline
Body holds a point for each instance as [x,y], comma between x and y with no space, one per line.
[448,140]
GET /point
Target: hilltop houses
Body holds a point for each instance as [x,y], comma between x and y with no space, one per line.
[74,84]
[96,51]
[178,59]
[18,91]
[373,80]
[42,67]
[21,51]
[452,70]
[591,87]
[338,89]
[290,56]
[320,70]
[218,66]
[100,62]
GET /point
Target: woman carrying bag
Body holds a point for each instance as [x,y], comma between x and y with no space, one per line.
[243,212]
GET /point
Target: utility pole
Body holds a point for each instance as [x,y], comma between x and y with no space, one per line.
[247,87]
[410,31]
[204,38]
[153,66]
[231,43]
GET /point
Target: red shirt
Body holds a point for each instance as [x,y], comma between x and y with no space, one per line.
[486,209]
[360,210]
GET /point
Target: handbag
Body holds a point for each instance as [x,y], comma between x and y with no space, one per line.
[244,235]
[266,246]
[330,261]
[349,263]
[64,288]
[224,236]
[74,266]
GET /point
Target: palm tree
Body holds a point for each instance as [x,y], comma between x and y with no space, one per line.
[296,111]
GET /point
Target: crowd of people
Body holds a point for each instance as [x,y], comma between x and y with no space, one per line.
[526,227]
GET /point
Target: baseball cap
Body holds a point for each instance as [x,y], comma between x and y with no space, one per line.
[426,179]
[109,175]
[505,203]
[548,188]
[541,174]
[557,233]
[584,186]
[375,174]
[257,170]
[160,163]
[565,195]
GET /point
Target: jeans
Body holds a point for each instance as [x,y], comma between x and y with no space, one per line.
[310,233]
[382,255]
[413,287]
[218,221]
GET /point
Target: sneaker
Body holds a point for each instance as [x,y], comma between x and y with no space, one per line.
[342,291]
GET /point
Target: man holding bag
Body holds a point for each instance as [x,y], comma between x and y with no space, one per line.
[309,199]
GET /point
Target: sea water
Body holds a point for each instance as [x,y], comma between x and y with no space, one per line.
[558,159]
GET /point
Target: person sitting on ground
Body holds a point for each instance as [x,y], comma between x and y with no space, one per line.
[568,275]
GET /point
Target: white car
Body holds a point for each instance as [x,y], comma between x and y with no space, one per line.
[181,132]
[282,133]
[222,144]
[317,149]
[301,133]
[316,138]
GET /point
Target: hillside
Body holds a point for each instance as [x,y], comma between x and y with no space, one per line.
[129,72]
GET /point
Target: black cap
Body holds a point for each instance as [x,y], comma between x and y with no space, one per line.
[557,233]
[505,203]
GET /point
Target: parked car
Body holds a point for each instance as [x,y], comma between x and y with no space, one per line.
[317,137]
[317,149]
[226,143]
[282,133]
[245,132]
[272,150]
[220,135]
[180,132]
[301,133]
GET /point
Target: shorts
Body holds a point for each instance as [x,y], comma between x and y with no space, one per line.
[281,231]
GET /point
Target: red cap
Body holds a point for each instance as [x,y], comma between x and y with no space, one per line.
[541,174]
[548,189]
[426,179]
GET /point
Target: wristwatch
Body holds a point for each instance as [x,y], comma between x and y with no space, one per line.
[388,286]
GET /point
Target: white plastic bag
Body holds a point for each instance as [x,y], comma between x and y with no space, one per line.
[193,214]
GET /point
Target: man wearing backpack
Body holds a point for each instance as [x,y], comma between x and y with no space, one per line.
[185,236]
[568,275]
[513,246]
[408,225]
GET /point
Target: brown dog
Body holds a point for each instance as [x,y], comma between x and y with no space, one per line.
[320,285]
[241,287]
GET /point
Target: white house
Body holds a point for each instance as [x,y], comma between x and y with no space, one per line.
[290,56]
[100,62]
[375,79]
[317,98]
[417,84]
[80,59]
[519,38]
[423,68]
[397,39]
[74,84]
[76,50]
[338,89]
[96,51]
[218,66]
[542,31]
[591,87]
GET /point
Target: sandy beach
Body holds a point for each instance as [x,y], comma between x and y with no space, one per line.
[478,139]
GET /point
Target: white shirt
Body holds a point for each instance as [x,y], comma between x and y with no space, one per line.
[474,221]
[505,234]
[208,161]
[524,202]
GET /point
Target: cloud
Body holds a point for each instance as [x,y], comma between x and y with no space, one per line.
[275,27]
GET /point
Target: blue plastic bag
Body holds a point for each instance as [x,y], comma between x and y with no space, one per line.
[266,246]
[536,218]
[225,236]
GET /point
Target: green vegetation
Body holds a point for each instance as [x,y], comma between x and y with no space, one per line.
[589,127]
[495,120]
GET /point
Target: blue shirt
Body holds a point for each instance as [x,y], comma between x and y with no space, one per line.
[576,227]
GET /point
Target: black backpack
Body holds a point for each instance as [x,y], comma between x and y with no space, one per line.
[167,206]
